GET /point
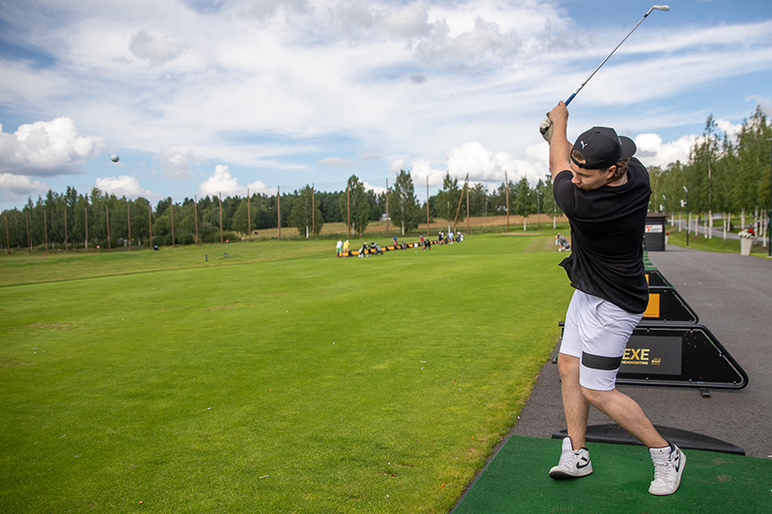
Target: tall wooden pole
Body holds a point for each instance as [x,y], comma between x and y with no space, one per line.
[278,208]
[458,209]
[506,186]
[427,205]
[313,214]
[45,228]
[249,218]
[29,241]
[107,223]
[387,207]
[128,221]
[467,203]
[538,208]
[348,211]
[220,218]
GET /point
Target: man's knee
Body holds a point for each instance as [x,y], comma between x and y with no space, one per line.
[568,367]
[595,397]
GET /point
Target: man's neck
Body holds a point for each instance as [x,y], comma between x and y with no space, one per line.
[619,182]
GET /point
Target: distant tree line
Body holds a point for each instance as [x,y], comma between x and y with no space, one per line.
[74,220]
[722,175]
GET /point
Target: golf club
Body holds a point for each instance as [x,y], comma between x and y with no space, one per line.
[653,8]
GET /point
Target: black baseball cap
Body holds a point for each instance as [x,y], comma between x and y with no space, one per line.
[602,147]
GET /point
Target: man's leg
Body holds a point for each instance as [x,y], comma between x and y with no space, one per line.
[575,405]
[626,413]
[668,459]
[574,458]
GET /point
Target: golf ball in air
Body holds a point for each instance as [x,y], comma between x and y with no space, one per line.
[114,158]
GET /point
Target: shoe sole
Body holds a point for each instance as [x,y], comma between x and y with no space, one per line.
[562,475]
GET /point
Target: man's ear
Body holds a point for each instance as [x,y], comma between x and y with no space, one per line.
[610,171]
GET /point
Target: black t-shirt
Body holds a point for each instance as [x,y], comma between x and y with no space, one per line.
[607,228]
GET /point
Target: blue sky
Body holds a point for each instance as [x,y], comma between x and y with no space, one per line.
[208,97]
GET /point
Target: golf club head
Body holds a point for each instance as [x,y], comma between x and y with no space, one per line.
[661,7]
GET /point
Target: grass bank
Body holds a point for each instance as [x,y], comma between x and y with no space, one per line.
[714,244]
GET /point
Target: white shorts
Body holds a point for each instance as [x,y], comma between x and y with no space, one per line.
[596,332]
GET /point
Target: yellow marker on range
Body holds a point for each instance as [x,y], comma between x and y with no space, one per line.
[652,310]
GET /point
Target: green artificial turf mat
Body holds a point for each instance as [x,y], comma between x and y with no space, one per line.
[517,481]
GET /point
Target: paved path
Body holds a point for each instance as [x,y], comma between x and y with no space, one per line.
[732,295]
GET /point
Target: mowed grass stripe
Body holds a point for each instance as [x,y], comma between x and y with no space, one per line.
[353,385]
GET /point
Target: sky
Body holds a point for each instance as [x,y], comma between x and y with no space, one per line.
[202,98]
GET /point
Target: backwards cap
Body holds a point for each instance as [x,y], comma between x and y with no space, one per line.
[602,147]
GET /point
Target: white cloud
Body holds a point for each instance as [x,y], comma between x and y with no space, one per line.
[377,189]
[653,152]
[422,169]
[222,182]
[155,50]
[176,162]
[398,165]
[482,164]
[483,45]
[409,20]
[47,148]
[336,162]
[123,185]
[259,187]
[729,128]
[20,186]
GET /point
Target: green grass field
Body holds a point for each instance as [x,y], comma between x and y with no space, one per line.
[277,379]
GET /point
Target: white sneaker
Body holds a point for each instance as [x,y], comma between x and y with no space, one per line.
[573,463]
[669,465]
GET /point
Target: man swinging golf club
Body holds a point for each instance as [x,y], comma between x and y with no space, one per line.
[604,191]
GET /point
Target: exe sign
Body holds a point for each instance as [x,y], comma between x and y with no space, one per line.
[636,356]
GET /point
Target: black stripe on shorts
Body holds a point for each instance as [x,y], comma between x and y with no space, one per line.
[600,362]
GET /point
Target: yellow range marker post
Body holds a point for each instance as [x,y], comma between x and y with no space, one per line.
[652,310]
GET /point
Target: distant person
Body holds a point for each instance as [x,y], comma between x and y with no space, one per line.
[345,248]
[561,244]
[604,192]
[339,248]
[395,241]
[423,243]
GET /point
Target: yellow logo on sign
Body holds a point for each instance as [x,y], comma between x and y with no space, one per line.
[636,356]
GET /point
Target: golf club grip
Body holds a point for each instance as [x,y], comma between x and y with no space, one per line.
[570,98]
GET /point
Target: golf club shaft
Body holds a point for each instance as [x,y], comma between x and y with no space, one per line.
[657,7]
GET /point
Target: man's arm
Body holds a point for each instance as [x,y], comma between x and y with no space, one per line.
[560,148]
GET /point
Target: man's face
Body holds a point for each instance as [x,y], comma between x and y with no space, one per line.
[590,179]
